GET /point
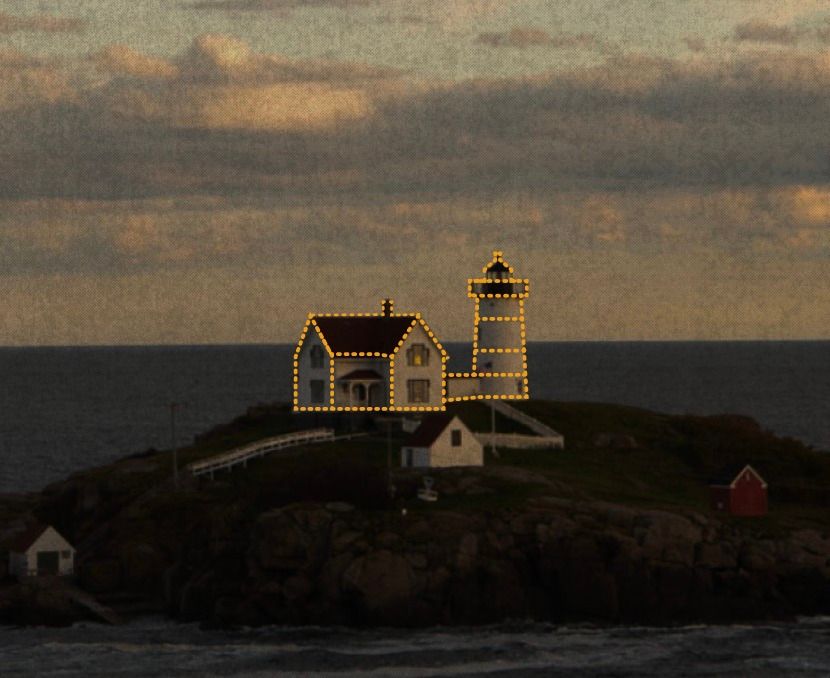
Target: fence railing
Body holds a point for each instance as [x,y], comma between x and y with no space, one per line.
[520,441]
[260,448]
[517,415]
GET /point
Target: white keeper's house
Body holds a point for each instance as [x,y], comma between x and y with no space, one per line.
[388,361]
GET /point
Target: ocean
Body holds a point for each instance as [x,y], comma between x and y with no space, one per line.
[155,647]
[65,409]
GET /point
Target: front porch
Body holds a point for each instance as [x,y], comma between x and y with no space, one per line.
[362,388]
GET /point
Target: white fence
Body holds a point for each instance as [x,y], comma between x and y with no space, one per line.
[521,441]
[517,415]
[260,448]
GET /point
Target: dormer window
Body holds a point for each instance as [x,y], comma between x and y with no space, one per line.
[317,356]
[417,355]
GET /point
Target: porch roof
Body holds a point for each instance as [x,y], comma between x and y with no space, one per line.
[361,375]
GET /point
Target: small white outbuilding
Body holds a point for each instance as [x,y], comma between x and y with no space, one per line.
[39,551]
[440,441]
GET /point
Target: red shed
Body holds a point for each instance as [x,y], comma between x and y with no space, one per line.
[739,490]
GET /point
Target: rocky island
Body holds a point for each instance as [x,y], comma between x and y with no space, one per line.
[615,528]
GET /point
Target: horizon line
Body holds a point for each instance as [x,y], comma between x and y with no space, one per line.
[448,342]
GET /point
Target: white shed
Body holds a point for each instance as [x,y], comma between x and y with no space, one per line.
[41,550]
[440,441]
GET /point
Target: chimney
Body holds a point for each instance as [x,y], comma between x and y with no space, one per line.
[387,306]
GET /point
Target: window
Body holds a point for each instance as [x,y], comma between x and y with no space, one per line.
[408,461]
[455,434]
[317,356]
[318,386]
[417,355]
[520,386]
[66,555]
[417,390]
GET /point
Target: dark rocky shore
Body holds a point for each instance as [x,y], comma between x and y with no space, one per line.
[217,554]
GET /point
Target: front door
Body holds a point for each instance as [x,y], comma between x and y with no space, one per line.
[48,562]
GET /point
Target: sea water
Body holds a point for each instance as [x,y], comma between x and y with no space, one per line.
[155,647]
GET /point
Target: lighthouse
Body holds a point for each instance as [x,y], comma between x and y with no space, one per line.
[499,338]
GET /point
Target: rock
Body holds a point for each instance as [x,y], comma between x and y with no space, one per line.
[674,584]
[226,611]
[280,542]
[617,441]
[812,542]
[143,565]
[502,592]
[197,599]
[46,602]
[586,588]
[339,507]
[419,532]
[417,560]
[388,540]
[331,576]
[382,582]
[668,537]
[101,576]
[296,588]
[311,518]
[716,555]
[756,556]
[467,552]
[345,540]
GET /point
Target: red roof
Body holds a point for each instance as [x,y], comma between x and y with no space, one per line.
[22,542]
[362,374]
[364,334]
[432,426]
[730,474]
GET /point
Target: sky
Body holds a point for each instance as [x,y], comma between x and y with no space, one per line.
[210,171]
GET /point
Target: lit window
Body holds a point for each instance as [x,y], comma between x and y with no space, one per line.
[318,387]
[417,355]
[456,437]
[317,356]
[417,390]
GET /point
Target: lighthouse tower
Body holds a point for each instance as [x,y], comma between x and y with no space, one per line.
[499,351]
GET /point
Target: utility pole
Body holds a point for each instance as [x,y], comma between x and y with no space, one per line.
[493,450]
[389,485]
[173,443]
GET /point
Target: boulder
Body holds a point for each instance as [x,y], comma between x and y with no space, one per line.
[142,565]
[101,576]
[382,583]
[467,552]
[667,537]
[716,555]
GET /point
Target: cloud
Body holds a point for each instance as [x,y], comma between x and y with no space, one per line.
[695,43]
[758,30]
[122,60]
[41,23]
[822,32]
[223,58]
[224,120]
[271,5]
[523,37]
